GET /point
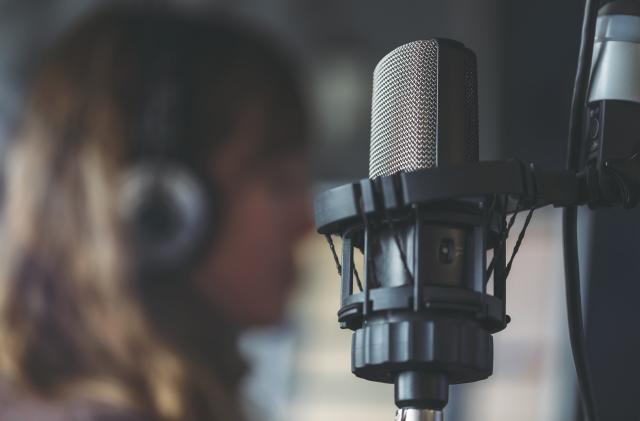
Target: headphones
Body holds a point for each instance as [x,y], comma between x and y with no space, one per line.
[168,214]
[168,205]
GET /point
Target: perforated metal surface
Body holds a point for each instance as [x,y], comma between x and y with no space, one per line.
[471,104]
[404,115]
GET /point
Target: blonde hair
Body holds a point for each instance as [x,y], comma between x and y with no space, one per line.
[71,324]
[64,270]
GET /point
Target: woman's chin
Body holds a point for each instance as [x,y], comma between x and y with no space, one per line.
[264,317]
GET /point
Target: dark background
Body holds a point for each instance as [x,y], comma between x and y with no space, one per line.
[526,61]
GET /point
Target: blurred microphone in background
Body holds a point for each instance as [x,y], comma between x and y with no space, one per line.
[154,195]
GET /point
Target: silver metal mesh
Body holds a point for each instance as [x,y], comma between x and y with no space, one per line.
[472,146]
[404,114]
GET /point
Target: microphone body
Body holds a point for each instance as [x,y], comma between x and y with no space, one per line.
[429,213]
[424,319]
[424,115]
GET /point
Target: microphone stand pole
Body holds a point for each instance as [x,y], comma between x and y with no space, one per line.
[411,414]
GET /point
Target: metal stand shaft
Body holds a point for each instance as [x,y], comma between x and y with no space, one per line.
[410,414]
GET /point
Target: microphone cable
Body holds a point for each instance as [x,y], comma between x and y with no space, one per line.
[570,215]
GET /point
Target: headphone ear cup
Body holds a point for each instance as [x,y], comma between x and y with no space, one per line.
[169,214]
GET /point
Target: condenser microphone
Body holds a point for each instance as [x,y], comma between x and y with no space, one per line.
[429,214]
[426,219]
[425,115]
[422,317]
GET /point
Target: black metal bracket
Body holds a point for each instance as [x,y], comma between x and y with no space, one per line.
[343,206]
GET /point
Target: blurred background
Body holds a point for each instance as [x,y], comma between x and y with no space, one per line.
[526,61]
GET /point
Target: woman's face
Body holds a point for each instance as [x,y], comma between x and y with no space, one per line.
[250,270]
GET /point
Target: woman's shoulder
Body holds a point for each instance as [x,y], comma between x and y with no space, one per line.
[101,412]
[18,408]
[52,412]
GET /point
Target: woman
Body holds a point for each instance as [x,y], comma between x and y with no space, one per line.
[90,316]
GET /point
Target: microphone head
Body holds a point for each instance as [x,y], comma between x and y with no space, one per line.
[424,108]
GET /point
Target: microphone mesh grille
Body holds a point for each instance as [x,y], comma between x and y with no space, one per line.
[471,104]
[404,114]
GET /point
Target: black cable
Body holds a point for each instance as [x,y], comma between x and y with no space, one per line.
[625,192]
[337,261]
[334,253]
[358,281]
[570,217]
[403,256]
[503,237]
[369,263]
[519,242]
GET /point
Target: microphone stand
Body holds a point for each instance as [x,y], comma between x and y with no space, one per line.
[419,335]
[412,414]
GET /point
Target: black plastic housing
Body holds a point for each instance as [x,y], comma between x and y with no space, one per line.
[424,317]
[612,136]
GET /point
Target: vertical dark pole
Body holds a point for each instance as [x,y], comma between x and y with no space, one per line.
[480,260]
[365,280]
[347,268]
[417,238]
[499,278]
